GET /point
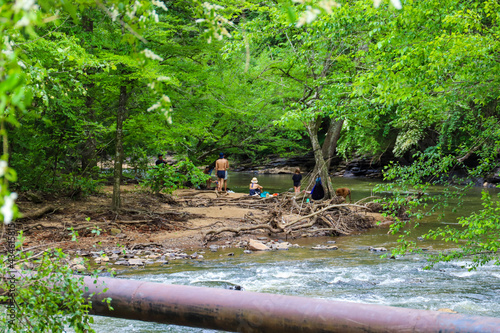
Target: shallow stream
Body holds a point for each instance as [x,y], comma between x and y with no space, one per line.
[352,273]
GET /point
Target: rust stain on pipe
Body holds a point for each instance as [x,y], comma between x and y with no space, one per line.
[241,311]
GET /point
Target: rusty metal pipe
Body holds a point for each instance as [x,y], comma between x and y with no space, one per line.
[241,311]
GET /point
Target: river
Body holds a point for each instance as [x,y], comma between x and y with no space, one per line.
[352,273]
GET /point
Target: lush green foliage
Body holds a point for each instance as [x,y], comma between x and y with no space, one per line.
[48,296]
[167,178]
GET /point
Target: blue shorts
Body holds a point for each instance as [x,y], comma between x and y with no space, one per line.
[221,174]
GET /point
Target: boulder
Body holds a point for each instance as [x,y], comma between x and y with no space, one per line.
[79,268]
[77,261]
[255,245]
[136,262]
[283,246]
[377,249]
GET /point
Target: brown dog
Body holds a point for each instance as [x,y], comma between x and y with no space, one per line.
[344,192]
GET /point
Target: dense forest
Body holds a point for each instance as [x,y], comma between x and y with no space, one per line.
[87,86]
[419,83]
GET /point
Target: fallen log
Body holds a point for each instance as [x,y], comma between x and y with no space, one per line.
[40,212]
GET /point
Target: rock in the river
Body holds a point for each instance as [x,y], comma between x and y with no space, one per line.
[77,261]
[377,249]
[255,245]
[79,268]
[283,246]
[325,247]
[136,262]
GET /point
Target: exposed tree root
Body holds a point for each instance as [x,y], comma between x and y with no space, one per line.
[330,216]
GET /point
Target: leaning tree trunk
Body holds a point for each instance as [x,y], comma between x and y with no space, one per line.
[332,137]
[321,168]
[120,117]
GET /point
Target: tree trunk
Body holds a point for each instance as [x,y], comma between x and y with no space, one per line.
[321,167]
[89,156]
[120,117]
[331,139]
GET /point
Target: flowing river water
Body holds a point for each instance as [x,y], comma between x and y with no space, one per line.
[351,273]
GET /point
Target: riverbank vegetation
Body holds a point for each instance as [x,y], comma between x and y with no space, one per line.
[86,84]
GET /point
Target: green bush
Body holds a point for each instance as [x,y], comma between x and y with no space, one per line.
[48,297]
[167,178]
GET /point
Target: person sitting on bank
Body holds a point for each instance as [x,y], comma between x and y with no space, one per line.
[207,171]
[255,189]
[160,160]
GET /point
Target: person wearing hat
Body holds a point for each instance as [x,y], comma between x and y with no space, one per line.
[255,189]
[221,166]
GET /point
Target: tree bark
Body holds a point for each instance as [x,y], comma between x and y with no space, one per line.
[321,168]
[332,137]
[120,117]
[89,156]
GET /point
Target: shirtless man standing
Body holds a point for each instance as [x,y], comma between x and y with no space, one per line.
[221,166]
